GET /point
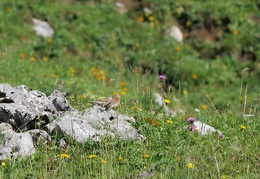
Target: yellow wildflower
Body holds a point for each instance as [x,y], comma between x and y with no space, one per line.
[190,165]
[194,76]
[1,55]
[151,18]
[185,34]
[185,92]
[243,127]
[65,155]
[82,96]
[203,106]
[45,59]
[121,159]
[235,32]
[145,155]
[122,83]
[167,101]
[169,121]
[140,19]
[123,92]
[103,161]
[32,59]
[115,93]
[3,164]
[49,40]
[22,56]
[188,23]
[178,48]
[92,156]
[54,76]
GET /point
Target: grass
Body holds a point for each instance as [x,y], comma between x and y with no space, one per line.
[93,43]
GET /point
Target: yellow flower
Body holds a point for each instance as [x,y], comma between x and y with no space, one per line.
[93,69]
[92,156]
[185,34]
[203,106]
[121,159]
[167,101]
[240,98]
[169,121]
[185,92]
[243,127]
[3,164]
[1,55]
[32,59]
[188,23]
[103,161]
[54,76]
[123,92]
[125,89]
[49,40]
[194,76]
[101,72]
[134,107]
[140,19]
[115,93]
[178,48]
[45,59]
[190,165]
[235,32]
[72,70]
[145,156]
[224,177]
[151,18]
[65,155]
[122,83]
[82,96]
[22,56]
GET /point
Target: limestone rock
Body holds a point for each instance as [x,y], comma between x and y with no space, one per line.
[176,33]
[16,144]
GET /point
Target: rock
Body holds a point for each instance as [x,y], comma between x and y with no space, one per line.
[93,124]
[5,126]
[42,28]
[59,101]
[176,33]
[39,136]
[28,111]
[16,144]
[203,129]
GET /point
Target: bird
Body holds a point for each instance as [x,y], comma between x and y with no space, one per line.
[114,102]
[103,102]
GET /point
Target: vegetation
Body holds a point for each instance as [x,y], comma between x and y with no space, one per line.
[215,70]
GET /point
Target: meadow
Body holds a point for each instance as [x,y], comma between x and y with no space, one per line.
[96,50]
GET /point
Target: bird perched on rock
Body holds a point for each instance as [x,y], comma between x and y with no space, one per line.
[103,102]
[114,102]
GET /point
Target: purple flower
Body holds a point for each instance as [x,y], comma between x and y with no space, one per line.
[191,119]
[162,77]
[221,135]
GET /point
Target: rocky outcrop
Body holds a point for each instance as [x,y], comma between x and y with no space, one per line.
[24,113]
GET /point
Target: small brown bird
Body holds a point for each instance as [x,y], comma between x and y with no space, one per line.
[103,102]
[114,102]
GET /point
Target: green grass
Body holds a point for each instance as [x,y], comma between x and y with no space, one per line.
[92,35]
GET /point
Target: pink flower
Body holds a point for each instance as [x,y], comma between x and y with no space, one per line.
[162,77]
[191,119]
[221,135]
